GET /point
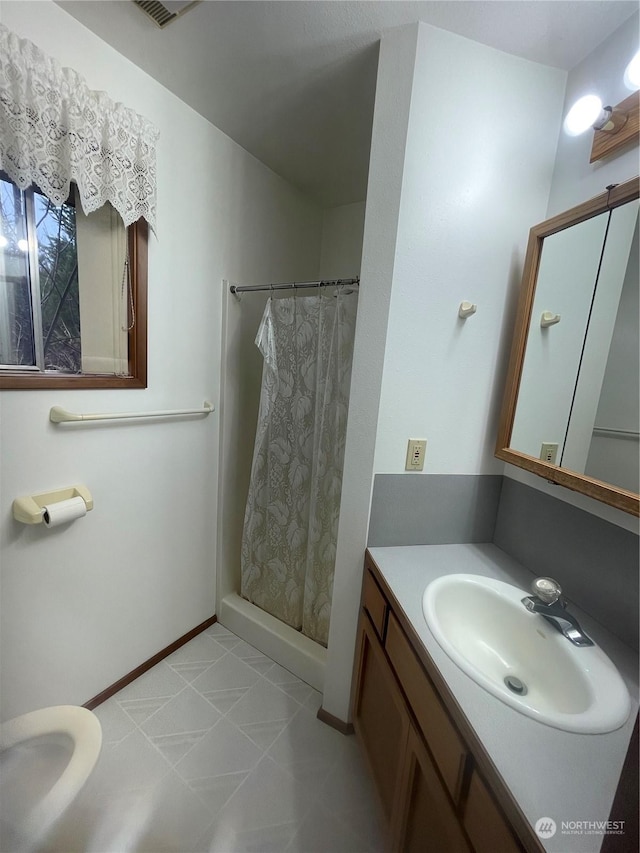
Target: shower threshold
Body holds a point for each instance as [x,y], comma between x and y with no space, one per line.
[303,657]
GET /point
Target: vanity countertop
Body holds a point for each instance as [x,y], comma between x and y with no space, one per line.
[551,773]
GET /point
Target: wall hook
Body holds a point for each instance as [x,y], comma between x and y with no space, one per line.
[549,319]
[466,309]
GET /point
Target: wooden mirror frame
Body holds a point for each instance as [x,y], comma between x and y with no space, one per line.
[598,489]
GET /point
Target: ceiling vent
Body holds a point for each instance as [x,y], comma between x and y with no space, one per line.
[164,13]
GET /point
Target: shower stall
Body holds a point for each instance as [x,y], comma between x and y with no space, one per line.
[286,358]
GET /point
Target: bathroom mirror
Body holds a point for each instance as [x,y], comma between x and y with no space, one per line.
[571,407]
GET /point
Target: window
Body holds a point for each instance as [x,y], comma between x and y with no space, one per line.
[72,294]
[72,286]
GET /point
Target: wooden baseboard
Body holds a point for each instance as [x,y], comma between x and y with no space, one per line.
[335,723]
[139,670]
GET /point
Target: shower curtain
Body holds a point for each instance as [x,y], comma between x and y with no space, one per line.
[291,518]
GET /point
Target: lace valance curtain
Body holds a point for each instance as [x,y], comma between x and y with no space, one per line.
[55,130]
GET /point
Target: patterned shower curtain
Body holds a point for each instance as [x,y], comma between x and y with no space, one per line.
[291,518]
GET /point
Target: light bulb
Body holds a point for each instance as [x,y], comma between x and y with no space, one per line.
[632,73]
[3,241]
[23,245]
[582,115]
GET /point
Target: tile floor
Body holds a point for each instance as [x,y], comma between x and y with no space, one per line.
[218,748]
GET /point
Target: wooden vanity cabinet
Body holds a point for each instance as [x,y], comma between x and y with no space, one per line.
[426,818]
[433,793]
[382,720]
[483,822]
[448,749]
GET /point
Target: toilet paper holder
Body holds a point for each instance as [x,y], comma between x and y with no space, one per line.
[29,509]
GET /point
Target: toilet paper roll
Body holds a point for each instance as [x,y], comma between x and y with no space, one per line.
[63,511]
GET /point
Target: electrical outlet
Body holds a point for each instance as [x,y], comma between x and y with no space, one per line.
[416,450]
[549,452]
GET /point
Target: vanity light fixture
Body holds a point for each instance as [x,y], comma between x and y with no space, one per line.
[632,73]
[588,112]
[615,126]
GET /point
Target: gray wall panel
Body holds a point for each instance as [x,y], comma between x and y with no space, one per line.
[596,562]
[433,509]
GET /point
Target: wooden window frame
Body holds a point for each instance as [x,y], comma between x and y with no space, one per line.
[138,236]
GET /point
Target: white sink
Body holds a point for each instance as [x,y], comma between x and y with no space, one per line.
[485,629]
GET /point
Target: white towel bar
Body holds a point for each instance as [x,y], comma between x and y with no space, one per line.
[58,415]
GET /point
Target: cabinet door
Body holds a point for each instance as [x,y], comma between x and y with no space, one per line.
[380,719]
[486,827]
[446,746]
[426,821]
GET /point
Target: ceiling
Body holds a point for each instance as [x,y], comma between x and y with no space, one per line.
[294,82]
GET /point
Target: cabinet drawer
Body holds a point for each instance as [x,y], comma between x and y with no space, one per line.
[485,825]
[374,603]
[442,739]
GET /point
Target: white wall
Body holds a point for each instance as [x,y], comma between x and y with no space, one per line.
[462,155]
[386,166]
[342,232]
[480,150]
[575,180]
[84,605]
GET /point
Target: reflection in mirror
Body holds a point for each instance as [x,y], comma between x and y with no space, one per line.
[572,409]
[566,283]
[614,444]
[589,275]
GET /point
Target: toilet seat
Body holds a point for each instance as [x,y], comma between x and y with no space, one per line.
[85,732]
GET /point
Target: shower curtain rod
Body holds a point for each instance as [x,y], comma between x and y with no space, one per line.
[292,285]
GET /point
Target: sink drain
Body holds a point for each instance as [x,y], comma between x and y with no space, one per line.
[515,685]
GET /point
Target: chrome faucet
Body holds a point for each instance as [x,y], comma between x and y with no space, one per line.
[547,600]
